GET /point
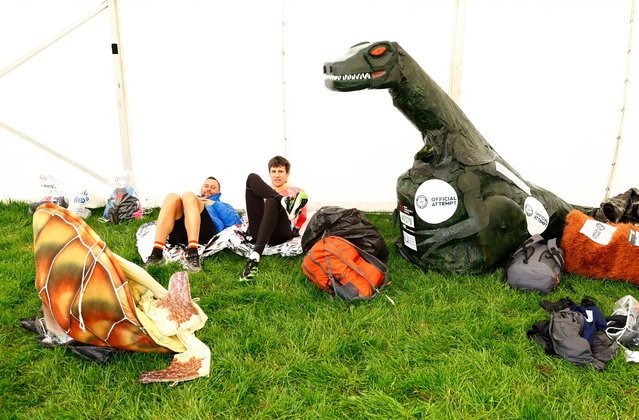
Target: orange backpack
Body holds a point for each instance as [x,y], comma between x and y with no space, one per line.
[342,269]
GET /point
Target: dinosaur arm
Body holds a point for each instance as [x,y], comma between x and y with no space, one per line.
[469,185]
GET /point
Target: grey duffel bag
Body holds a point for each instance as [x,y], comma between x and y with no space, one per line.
[536,265]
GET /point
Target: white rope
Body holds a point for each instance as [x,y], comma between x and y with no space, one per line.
[52,40]
[53,152]
[615,155]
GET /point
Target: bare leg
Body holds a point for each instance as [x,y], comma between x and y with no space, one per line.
[192,209]
[170,211]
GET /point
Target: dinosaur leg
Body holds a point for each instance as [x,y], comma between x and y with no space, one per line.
[469,185]
[506,230]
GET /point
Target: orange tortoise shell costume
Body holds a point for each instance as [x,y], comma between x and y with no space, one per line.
[99,298]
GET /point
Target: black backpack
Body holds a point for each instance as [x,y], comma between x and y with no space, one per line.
[350,224]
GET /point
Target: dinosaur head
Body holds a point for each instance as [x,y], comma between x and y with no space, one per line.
[365,66]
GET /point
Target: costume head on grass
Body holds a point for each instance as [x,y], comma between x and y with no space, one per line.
[91,296]
[462,207]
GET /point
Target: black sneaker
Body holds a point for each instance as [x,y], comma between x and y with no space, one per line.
[154,259]
[293,205]
[193,262]
[250,270]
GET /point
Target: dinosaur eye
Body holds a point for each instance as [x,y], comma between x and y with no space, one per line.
[379,51]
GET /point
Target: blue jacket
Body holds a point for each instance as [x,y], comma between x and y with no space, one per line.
[222,214]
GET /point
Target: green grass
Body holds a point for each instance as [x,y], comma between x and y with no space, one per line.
[453,346]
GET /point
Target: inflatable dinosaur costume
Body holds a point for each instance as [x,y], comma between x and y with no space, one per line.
[461,206]
[98,298]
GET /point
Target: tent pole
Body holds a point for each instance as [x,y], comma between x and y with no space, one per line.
[54,153]
[613,167]
[120,86]
[457,53]
[51,41]
[284,86]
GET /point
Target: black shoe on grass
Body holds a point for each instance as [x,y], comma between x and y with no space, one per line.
[250,270]
[193,261]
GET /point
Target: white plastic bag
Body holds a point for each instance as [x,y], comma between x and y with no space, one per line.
[124,203]
[628,335]
[51,191]
[79,204]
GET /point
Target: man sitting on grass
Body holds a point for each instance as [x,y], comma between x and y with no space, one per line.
[191,220]
[275,212]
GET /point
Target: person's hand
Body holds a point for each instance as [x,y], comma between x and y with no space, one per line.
[206,201]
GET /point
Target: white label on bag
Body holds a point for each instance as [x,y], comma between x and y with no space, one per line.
[407,219]
[409,241]
[590,317]
[435,201]
[598,232]
[536,216]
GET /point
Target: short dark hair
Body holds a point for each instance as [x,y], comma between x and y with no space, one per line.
[278,161]
[218,182]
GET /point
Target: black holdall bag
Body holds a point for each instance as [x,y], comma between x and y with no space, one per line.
[350,224]
[536,265]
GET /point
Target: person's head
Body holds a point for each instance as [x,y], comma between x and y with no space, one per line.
[211,186]
[278,169]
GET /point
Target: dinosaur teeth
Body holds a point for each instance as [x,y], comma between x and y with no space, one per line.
[343,77]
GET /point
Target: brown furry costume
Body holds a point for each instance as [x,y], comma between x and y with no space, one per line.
[617,260]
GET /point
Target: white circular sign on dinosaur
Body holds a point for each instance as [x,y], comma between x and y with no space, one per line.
[435,201]
[536,216]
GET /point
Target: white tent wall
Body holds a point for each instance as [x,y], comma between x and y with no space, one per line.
[205,93]
[210,92]
[353,146]
[543,81]
[62,97]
